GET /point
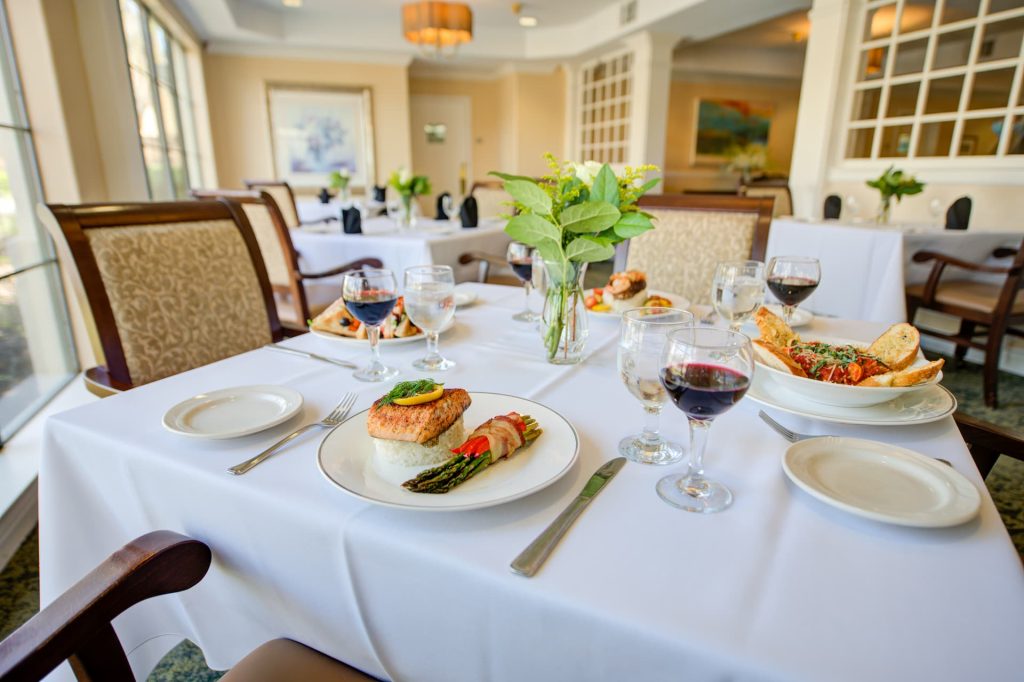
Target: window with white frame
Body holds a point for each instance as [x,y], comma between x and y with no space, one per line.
[605,98]
[37,356]
[164,104]
[938,79]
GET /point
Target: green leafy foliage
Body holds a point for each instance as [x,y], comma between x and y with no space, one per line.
[590,216]
[409,185]
[896,183]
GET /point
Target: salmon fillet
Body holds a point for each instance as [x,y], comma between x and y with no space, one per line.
[417,423]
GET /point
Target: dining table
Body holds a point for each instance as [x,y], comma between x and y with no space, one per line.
[866,267]
[780,586]
[312,210]
[429,242]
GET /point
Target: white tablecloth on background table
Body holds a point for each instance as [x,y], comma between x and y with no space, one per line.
[432,242]
[313,210]
[864,269]
[778,587]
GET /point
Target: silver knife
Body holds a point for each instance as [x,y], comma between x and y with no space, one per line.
[534,556]
[312,356]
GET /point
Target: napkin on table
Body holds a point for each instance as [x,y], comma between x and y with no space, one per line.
[351,221]
[468,212]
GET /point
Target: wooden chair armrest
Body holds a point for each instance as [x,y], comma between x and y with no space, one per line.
[987,441]
[1004,252]
[941,258]
[77,624]
[328,219]
[354,265]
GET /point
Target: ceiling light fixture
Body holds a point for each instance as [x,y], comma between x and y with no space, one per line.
[292,3]
[438,26]
[525,20]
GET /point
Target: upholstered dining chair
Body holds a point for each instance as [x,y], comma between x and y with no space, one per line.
[994,307]
[958,215]
[779,192]
[491,199]
[692,233]
[490,269]
[296,295]
[987,441]
[283,196]
[833,207]
[170,286]
[77,628]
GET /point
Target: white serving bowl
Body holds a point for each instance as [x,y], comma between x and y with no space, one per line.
[842,395]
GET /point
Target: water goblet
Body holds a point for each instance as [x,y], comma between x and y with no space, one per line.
[642,336]
[737,290]
[430,303]
[792,279]
[370,295]
[520,258]
[705,372]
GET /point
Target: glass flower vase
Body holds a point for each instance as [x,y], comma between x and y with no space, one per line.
[407,212]
[884,210]
[563,322]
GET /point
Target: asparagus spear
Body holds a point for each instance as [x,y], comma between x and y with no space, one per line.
[459,468]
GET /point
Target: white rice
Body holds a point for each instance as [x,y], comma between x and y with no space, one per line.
[434,451]
[621,306]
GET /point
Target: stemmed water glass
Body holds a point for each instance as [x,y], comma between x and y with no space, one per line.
[705,372]
[737,290]
[430,303]
[642,336]
[792,279]
[370,295]
[520,258]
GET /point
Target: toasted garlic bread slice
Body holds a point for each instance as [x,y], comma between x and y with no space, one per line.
[772,356]
[774,329]
[897,347]
[918,375]
[879,380]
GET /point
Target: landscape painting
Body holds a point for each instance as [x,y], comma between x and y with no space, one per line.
[316,131]
[726,123]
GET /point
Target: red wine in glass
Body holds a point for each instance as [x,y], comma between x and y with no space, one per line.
[523,270]
[792,291]
[704,391]
[372,307]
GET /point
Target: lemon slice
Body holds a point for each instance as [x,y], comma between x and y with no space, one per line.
[422,397]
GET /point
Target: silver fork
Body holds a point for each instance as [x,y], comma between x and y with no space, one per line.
[335,418]
[794,437]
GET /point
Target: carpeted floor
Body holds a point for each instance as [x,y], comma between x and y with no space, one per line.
[19,580]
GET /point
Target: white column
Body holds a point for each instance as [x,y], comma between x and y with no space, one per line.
[818,119]
[652,80]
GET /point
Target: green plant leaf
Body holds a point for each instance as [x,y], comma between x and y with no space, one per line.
[587,249]
[649,185]
[529,228]
[605,186]
[508,176]
[550,251]
[527,193]
[632,224]
[591,216]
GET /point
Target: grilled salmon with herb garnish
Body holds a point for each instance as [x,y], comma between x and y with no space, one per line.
[416,422]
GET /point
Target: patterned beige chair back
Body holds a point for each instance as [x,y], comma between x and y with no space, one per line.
[692,233]
[172,286]
[283,197]
[783,202]
[491,200]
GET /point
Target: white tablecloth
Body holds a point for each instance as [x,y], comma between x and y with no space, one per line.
[864,269]
[433,242]
[778,587]
[313,210]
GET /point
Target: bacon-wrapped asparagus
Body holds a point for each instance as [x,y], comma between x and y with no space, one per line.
[493,440]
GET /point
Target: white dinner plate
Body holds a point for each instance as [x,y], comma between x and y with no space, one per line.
[348,460]
[881,482]
[678,301]
[233,412]
[464,298]
[351,340]
[920,407]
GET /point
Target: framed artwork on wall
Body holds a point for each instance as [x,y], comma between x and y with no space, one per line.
[724,124]
[315,130]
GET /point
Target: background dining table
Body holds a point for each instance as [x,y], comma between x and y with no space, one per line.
[778,587]
[867,267]
[311,210]
[429,242]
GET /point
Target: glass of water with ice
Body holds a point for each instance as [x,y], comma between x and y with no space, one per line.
[430,302]
[737,290]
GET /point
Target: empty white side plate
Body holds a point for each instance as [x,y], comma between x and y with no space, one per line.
[233,412]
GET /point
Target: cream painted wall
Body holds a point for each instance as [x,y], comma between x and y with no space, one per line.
[236,95]
[540,120]
[680,173]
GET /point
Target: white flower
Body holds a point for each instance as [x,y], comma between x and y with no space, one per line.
[344,173]
[586,171]
[404,176]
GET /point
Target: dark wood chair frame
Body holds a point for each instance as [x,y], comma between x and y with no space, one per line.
[254,186]
[77,628]
[75,220]
[771,184]
[986,441]
[995,324]
[294,290]
[484,261]
[762,206]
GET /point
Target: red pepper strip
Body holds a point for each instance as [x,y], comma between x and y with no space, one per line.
[474,447]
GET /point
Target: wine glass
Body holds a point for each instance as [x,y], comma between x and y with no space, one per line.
[705,372]
[641,339]
[520,258]
[430,303]
[737,290]
[851,208]
[370,295]
[447,205]
[792,279]
[937,207]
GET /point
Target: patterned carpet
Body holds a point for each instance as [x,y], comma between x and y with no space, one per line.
[19,581]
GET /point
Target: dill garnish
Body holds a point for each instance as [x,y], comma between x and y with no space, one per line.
[407,389]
